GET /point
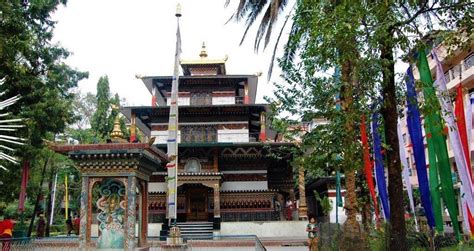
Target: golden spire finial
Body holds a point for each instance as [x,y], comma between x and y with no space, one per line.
[117,135]
[203,53]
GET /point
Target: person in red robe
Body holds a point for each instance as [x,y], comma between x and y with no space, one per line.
[77,224]
[289,209]
[6,232]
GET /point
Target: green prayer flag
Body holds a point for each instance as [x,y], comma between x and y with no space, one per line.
[437,150]
[338,190]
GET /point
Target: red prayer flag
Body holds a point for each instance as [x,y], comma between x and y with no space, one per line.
[24,183]
[461,122]
[368,165]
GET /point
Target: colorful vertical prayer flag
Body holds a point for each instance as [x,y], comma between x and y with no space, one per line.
[24,184]
[368,165]
[380,172]
[172,142]
[405,172]
[416,138]
[438,143]
[66,200]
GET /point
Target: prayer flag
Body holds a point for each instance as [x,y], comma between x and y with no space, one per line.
[405,172]
[380,173]
[438,142]
[24,184]
[416,137]
[368,165]
[172,142]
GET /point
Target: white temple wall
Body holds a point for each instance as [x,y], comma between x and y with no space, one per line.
[223,100]
[181,101]
[162,136]
[154,187]
[244,185]
[341,213]
[233,135]
[265,228]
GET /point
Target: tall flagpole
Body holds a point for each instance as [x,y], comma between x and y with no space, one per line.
[172,142]
[54,200]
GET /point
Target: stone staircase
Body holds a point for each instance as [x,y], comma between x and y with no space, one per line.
[196,230]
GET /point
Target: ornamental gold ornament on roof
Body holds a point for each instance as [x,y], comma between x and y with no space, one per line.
[203,53]
[117,135]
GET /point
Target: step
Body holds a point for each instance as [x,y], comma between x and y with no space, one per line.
[195,224]
[203,228]
[191,226]
[195,230]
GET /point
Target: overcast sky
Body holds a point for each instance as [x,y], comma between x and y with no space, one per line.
[124,38]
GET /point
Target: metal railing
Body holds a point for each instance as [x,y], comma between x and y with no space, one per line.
[458,69]
[214,137]
[217,242]
[40,244]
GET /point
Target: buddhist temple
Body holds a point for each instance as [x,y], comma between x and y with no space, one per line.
[226,172]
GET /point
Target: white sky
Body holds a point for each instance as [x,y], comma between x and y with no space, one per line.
[124,38]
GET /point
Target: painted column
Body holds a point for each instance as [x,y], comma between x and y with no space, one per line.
[217,201]
[84,227]
[303,209]
[144,218]
[133,128]
[216,161]
[246,93]
[131,217]
[263,134]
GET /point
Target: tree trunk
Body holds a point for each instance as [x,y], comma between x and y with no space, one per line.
[351,226]
[366,216]
[352,236]
[38,198]
[395,186]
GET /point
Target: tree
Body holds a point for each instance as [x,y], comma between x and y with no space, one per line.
[101,118]
[84,106]
[33,67]
[381,28]
[396,25]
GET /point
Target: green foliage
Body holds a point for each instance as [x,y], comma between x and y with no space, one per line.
[101,123]
[326,203]
[84,107]
[106,111]
[11,209]
[34,69]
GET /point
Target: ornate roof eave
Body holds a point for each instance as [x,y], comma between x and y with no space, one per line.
[204,62]
[251,191]
[96,159]
[151,81]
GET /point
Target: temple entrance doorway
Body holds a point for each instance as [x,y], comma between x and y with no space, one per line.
[196,198]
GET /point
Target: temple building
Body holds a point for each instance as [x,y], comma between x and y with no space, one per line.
[226,172]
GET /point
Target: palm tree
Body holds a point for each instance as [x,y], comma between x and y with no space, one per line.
[248,10]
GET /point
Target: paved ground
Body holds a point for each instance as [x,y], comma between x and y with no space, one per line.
[301,248]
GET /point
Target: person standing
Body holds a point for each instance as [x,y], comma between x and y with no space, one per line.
[69,226]
[6,232]
[77,224]
[289,209]
[40,229]
[313,234]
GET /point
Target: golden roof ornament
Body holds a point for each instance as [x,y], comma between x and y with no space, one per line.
[203,53]
[117,135]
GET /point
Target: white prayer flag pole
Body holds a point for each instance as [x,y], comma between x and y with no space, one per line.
[172,142]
